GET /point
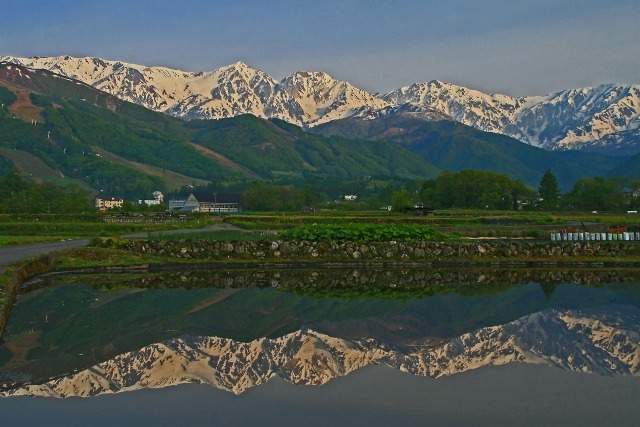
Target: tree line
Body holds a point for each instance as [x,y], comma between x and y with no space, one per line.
[19,196]
[472,189]
[467,189]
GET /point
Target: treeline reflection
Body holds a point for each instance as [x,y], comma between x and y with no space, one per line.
[354,282]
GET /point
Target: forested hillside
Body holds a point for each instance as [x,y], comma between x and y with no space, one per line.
[116,147]
[453,146]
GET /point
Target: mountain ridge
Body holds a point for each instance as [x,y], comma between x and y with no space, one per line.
[584,118]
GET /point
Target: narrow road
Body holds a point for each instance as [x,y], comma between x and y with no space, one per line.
[11,254]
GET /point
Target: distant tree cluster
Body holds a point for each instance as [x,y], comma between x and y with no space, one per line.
[263,197]
[600,194]
[471,189]
[474,190]
[467,189]
[20,196]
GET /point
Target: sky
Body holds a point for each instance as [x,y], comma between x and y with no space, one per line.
[515,47]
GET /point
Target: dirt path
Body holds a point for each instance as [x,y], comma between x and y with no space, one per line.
[223,161]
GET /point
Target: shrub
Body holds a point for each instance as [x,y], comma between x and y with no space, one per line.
[364,232]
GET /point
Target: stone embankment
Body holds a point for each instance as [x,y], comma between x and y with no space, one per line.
[381,251]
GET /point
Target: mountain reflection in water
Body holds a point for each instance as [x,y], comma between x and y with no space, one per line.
[126,332]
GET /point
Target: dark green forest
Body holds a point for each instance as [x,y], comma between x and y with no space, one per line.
[18,196]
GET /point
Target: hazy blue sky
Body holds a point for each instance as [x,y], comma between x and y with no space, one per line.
[518,47]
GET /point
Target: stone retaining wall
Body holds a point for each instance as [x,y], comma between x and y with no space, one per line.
[414,251]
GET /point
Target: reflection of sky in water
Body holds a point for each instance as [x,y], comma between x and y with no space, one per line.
[60,329]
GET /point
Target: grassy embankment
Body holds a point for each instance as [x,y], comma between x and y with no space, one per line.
[30,228]
[459,224]
[266,226]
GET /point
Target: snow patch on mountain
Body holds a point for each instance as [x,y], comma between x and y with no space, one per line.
[325,99]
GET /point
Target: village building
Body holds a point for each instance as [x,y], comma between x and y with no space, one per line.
[176,204]
[104,203]
[158,198]
[208,202]
[150,202]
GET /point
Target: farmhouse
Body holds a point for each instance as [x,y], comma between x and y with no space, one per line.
[176,204]
[104,203]
[212,202]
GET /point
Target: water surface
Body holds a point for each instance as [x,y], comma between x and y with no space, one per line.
[237,330]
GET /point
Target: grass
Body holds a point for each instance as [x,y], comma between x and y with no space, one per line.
[365,233]
[33,228]
[21,240]
[476,223]
[105,257]
[214,236]
[174,180]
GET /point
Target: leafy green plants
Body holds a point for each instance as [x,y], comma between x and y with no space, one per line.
[364,232]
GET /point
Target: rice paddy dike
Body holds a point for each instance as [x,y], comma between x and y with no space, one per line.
[425,252]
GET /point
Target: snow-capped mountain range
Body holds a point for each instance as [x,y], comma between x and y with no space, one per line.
[603,344]
[585,118]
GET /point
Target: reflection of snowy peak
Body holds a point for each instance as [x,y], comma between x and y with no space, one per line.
[600,344]
[589,118]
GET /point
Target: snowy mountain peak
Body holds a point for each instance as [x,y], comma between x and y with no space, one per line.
[241,70]
[324,98]
[585,118]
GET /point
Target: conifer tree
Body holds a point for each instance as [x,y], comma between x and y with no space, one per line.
[549,191]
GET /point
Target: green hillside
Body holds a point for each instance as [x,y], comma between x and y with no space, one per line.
[274,147]
[71,127]
[629,168]
[454,147]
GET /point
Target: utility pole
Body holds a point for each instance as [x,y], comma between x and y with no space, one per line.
[164,177]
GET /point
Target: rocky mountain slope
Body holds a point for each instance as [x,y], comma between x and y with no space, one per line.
[603,344]
[603,118]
